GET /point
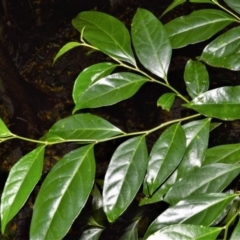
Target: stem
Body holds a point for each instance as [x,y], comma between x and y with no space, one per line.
[95,141]
[228,224]
[226,10]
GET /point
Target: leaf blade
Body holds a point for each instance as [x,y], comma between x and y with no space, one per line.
[210,178]
[198,26]
[222,103]
[84,127]
[106,33]
[22,178]
[110,90]
[68,184]
[124,176]
[151,43]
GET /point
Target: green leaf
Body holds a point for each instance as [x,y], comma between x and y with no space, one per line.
[166,101]
[222,103]
[124,176]
[228,153]
[91,234]
[84,127]
[224,51]
[199,26]
[197,135]
[151,43]
[90,75]
[236,232]
[4,131]
[186,232]
[110,90]
[63,194]
[131,232]
[210,178]
[21,180]
[199,209]
[196,78]
[174,4]
[106,33]
[66,48]
[165,156]
[234,5]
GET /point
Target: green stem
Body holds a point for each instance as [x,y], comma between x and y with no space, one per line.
[226,10]
[228,224]
[95,141]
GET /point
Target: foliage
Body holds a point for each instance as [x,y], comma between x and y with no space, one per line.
[179,169]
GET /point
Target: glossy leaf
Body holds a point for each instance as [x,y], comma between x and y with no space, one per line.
[196,78]
[151,43]
[198,209]
[90,75]
[222,103]
[210,178]
[110,90]
[197,134]
[84,127]
[236,232]
[66,48]
[106,33]
[21,180]
[186,232]
[174,4]
[234,5]
[166,101]
[198,26]
[91,234]
[124,176]
[224,50]
[4,131]
[63,194]
[131,232]
[165,156]
[228,153]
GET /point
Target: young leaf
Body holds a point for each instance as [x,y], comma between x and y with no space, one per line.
[166,101]
[124,176]
[165,156]
[210,178]
[110,90]
[186,232]
[224,50]
[65,49]
[22,178]
[234,5]
[90,75]
[106,33]
[91,234]
[83,127]
[222,103]
[174,4]
[197,134]
[131,232]
[151,43]
[4,132]
[199,209]
[196,78]
[228,153]
[199,26]
[236,232]
[63,194]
